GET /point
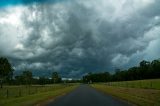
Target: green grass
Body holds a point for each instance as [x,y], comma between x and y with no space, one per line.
[40,95]
[142,94]
[146,84]
[19,91]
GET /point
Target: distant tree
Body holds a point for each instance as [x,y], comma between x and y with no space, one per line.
[155,67]
[144,63]
[27,76]
[6,70]
[145,70]
[97,77]
[44,80]
[9,78]
[56,78]
[19,80]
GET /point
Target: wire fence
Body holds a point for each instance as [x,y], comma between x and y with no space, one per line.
[20,91]
[146,84]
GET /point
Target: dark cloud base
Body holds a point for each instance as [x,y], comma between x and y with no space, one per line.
[77,37]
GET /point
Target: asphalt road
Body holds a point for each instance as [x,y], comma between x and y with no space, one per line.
[87,96]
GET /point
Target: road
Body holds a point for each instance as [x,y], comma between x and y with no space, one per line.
[85,95]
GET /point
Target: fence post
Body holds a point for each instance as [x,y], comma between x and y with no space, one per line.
[7,93]
[29,91]
[140,84]
[20,93]
[36,89]
[132,84]
[151,84]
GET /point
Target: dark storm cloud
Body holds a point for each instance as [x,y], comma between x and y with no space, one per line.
[77,37]
[76,49]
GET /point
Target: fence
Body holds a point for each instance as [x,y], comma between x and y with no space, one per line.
[20,91]
[146,84]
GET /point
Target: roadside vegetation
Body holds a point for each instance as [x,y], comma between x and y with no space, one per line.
[8,92]
[22,96]
[139,85]
[145,70]
[137,92]
[145,84]
[26,89]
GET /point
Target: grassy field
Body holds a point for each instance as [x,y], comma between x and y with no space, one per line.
[146,84]
[137,92]
[22,95]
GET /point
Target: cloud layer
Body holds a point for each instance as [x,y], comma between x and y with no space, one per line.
[75,37]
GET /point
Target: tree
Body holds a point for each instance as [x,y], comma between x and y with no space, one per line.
[42,81]
[96,77]
[144,69]
[19,80]
[56,78]
[27,76]
[155,65]
[144,63]
[6,70]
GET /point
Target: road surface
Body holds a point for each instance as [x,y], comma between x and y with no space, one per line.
[85,95]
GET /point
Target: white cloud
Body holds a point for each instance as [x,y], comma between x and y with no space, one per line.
[19,47]
[153,50]
[153,34]
[119,60]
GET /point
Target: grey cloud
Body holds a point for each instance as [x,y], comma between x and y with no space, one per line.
[77,37]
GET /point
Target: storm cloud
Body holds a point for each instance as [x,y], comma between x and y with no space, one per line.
[75,37]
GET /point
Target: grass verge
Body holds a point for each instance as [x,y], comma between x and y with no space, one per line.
[146,84]
[141,97]
[36,98]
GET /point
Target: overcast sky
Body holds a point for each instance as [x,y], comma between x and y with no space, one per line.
[75,37]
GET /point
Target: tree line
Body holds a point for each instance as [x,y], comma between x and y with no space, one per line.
[26,78]
[145,70]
